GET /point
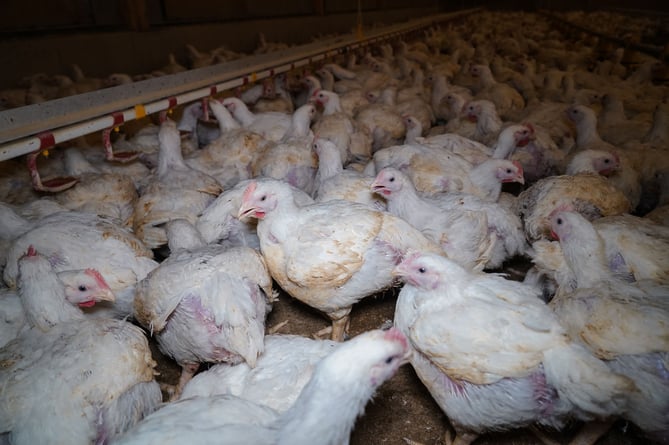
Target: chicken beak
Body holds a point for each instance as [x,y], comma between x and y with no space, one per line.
[105,295]
[245,211]
[399,271]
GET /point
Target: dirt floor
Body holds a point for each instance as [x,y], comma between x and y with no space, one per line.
[402,407]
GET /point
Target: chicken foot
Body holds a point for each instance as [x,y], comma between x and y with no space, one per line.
[188,370]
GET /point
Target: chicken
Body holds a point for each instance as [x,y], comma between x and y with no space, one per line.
[472,231]
[219,222]
[96,374]
[614,126]
[73,241]
[328,255]
[352,142]
[82,288]
[198,131]
[174,191]
[462,233]
[658,135]
[488,124]
[383,123]
[229,158]
[334,182]
[292,159]
[282,370]
[206,304]
[591,195]
[106,194]
[271,125]
[493,355]
[637,344]
[505,98]
[324,412]
[626,179]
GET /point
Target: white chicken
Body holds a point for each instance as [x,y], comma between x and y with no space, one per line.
[73,241]
[591,195]
[206,304]
[328,255]
[493,355]
[291,159]
[230,157]
[107,194]
[282,370]
[174,191]
[626,178]
[271,125]
[219,223]
[324,413]
[637,344]
[353,142]
[334,182]
[505,98]
[96,374]
[472,231]
[82,288]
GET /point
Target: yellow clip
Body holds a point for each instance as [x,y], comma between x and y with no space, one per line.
[170,111]
[117,129]
[253,77]
[45,153]
[140,111]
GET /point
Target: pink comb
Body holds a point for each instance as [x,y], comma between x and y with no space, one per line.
[249,191]
[394,334]
[31,251]
[518,166]
[564,207]
[97,276]
[315,92]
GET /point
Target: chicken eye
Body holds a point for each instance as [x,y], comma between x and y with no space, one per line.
[559,221]
[263,197]
[508,170]
[422,270]
[82,288]
[389,360]
[391,179]
[606,161]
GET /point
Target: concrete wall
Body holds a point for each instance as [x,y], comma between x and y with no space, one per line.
[100,53]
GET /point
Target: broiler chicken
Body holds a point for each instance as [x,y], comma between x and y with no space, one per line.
[494,356]
[174,191]
[229,158]
[505,97]
[271,125]
[625,324]
[324,413]
[292,159]
[328,255]
[206,304]
[626,178]
[107,194]
[334,182]
[82,288]
[74,241]
[282,370]
[97,375]
[353,142]
[591,195]
[219,223]
[472,231]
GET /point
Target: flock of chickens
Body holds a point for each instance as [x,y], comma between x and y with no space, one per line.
[383,169]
